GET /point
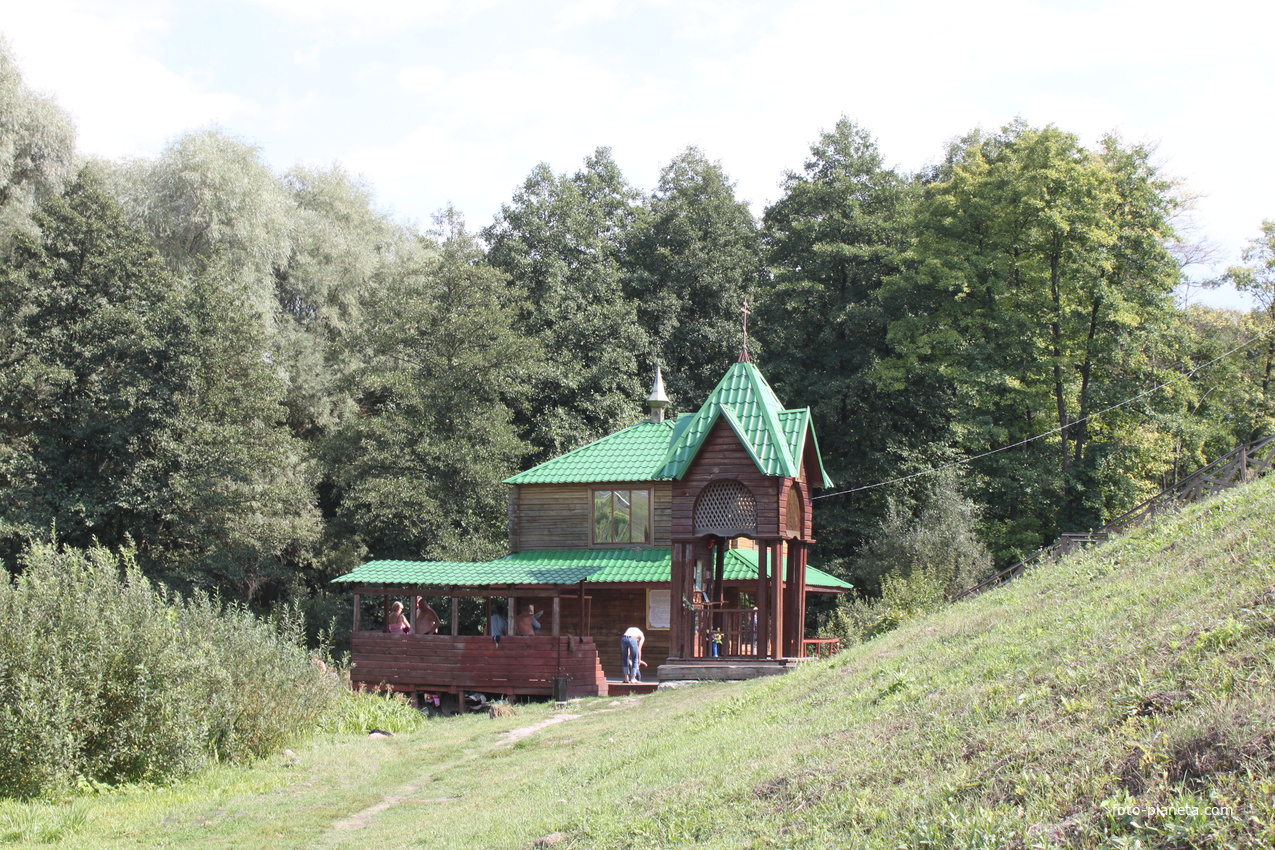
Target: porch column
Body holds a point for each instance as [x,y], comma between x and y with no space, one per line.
[556,624]
[778,601]
[794,614]
[719,572]
[676,613]
[763,609]
[455,614]
[358,612]
[803,552]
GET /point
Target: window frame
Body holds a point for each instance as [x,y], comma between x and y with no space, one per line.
[650,518]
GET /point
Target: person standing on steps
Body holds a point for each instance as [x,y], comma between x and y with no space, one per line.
[631,650]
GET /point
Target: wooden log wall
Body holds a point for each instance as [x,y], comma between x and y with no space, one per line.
[440,663]
[613,612]
[560,516]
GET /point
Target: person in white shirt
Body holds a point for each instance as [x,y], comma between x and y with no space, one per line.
[631,649]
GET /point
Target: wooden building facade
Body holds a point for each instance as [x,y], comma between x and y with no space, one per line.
[696,530]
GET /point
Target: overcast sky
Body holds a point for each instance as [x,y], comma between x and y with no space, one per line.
[454,101]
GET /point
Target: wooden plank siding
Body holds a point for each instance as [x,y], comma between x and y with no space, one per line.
[560,516]
[614,610]
[723,456]
[439,663]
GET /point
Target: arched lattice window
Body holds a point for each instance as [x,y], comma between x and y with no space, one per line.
[726,508]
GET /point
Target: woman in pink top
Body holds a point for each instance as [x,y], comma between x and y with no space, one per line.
[397,624]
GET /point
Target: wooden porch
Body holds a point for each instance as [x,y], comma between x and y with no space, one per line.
[517,666]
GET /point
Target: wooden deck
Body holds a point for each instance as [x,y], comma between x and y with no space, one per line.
[447,664]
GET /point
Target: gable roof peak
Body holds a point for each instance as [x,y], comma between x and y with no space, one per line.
[745,400]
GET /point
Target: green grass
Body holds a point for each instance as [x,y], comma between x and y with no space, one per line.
[1141,673]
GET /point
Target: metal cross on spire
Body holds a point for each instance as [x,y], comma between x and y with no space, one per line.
[743,353]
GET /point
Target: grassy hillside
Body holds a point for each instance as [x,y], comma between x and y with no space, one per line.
[1140,674]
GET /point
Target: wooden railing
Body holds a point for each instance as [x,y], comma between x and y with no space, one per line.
[735,630]
[1238,466]
[450,664]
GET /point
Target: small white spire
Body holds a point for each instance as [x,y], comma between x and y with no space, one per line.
[658,400]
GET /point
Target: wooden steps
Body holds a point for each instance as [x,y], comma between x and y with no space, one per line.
[725,669]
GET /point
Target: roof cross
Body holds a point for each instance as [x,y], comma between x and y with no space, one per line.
[743,354]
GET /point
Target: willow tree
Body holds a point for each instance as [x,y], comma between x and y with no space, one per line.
[37,147]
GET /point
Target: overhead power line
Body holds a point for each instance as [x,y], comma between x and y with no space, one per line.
[1188,376]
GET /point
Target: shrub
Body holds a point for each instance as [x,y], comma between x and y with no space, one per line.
[106,678]
[921,563]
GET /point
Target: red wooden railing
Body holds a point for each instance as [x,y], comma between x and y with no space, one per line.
[450,664]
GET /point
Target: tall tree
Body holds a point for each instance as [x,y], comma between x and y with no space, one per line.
[1039,271]
[834,237]
[1258,280]
[561,241]
[418,473]
[37,146]
[692,261]
[342,248]
[92,359]
[209,201]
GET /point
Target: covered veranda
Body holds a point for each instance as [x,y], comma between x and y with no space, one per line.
[561,660]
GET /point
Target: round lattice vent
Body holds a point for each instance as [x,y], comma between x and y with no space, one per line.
[726,508]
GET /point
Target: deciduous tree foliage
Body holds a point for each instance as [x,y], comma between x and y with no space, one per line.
[37,145]
[834,237]
[562,241]
[417,474]
[1038,277]
[93,356]
[260,378]
[693,259]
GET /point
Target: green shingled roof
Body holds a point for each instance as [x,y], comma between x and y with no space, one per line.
[464,573]
[633,454]
[772,436]
[560,566]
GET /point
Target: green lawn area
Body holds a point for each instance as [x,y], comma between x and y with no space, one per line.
[1139,674]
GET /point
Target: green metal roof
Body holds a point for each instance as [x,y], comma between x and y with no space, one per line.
[561,566]
[772,436]
[795,424]
[464,573]
[633,454]
[633,564]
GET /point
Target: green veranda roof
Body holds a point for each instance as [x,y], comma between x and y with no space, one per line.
[561,567]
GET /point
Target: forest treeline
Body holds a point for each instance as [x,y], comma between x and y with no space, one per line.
[259,379]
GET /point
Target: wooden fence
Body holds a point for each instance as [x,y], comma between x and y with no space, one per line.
[1239,466]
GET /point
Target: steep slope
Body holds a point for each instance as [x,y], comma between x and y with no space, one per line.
[1127,693]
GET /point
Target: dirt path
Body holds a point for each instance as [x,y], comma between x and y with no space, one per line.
[406,794]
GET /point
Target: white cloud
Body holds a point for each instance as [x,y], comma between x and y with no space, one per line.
[100,68]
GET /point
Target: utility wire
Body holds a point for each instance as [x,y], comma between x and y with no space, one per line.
[1188,376]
